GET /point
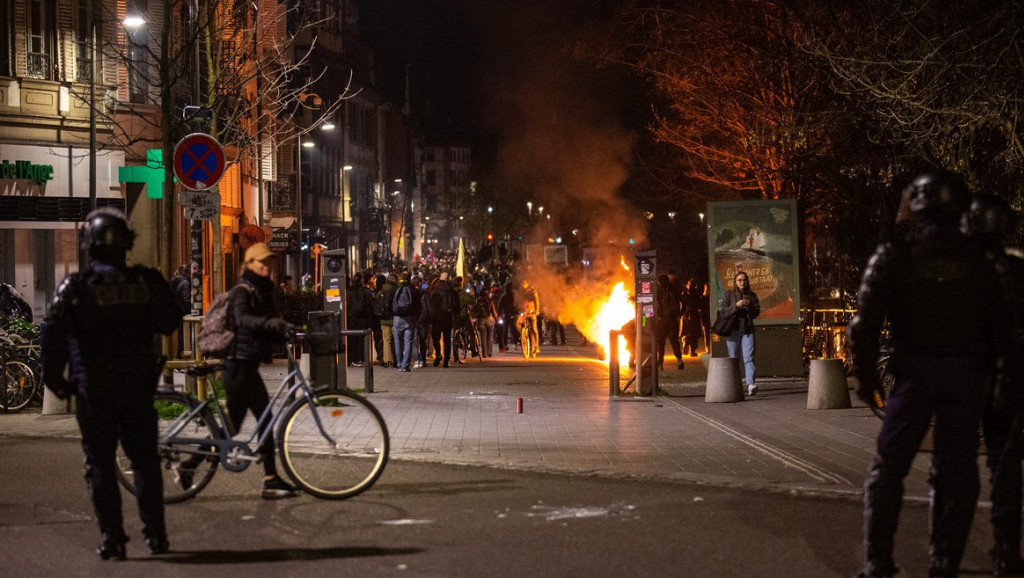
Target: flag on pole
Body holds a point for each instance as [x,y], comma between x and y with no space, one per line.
[460,263]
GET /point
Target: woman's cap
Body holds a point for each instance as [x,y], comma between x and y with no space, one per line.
[258,252]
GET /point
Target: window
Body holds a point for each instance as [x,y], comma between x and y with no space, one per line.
[39,36]
[6,18]
[138,54]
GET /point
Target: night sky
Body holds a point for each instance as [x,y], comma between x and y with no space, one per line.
[499,75]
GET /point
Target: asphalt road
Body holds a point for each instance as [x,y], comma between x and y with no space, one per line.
[426,519]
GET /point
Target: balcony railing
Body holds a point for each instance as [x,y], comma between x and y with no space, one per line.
[38,65]
[83,70]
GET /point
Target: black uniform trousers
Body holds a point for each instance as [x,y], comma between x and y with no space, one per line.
[950,389]
[119,413]
[1004,441]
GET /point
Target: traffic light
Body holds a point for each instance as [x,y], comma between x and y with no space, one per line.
[490,236]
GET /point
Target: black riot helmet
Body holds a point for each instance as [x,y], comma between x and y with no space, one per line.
[989,218]
[940,197]
[107,229]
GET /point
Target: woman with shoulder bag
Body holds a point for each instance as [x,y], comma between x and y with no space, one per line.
[741,306]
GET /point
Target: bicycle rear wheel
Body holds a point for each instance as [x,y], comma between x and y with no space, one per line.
[185,472]
[19,386]
[344,462]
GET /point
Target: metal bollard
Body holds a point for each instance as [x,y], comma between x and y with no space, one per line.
[613,362]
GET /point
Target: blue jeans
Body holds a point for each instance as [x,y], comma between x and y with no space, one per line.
[405,337]
[734,343]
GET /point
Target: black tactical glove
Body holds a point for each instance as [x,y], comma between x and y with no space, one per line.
[60,387]
[868,383]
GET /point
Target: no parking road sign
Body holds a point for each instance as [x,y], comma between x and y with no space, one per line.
[198,161]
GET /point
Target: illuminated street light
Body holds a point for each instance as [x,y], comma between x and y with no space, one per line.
[529,207]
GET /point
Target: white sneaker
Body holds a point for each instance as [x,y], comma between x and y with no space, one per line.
[752,389]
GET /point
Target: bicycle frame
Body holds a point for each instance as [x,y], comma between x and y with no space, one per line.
[269,418]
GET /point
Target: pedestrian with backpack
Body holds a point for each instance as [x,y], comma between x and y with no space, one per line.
[254,316]
[406,308]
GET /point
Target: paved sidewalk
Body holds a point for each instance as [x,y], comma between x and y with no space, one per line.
[467,415]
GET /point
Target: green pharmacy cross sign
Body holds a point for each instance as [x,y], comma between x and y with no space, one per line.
[40,174]
[152,174]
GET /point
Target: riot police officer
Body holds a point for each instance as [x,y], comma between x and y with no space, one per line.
[990,220]
[103,322]
[940,362]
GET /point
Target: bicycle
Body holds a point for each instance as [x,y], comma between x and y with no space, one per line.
[22,383]
[333,444]
[528,338]
[466,343]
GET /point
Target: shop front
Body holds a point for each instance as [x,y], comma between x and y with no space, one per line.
[44,197]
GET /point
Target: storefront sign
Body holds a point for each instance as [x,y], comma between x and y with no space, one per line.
[23,170]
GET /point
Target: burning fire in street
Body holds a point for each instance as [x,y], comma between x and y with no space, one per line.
[610,315]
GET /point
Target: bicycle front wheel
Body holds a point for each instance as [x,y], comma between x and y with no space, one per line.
[19,386]
[335,446]
[180,443]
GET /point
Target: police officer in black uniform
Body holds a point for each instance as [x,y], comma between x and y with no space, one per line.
[941,364]
[990,220]
[103,322]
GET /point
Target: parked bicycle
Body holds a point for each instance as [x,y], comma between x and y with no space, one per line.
[333,444]
[21,380]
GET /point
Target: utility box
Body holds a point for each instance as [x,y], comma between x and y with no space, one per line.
[335,268]
[646,291]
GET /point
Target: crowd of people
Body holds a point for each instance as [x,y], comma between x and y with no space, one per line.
[413,315]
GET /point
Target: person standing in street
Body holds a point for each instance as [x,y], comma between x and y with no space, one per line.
[360,316]
[444,305]
[742,306]
[384,295]
[667,322]
[103,322]
[990,221]
[941,364]
[693,326]
[405,305]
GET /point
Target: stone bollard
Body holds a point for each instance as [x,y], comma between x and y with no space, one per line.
[826,387]
[724,385]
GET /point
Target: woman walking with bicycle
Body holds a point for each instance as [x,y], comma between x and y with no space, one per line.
[257,329]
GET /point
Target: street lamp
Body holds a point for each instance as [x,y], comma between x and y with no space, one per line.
[529,208]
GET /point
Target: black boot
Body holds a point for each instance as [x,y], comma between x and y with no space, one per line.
[157,543]
[1005,562]
[112,546]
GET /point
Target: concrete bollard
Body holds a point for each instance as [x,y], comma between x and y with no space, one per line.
[724,385]
[52,405]
[826,387]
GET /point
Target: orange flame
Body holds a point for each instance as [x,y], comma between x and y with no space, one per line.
[622,261]
[612,315]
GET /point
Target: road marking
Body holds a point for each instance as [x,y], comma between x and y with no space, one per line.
[820,475]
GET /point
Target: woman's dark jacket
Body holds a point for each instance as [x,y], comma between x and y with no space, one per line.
[252,306]
[743,317]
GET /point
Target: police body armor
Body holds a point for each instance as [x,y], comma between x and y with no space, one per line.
[112,316]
